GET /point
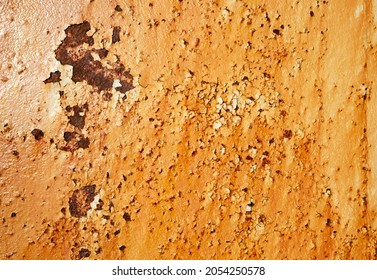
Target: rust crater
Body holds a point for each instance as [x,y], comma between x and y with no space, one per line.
[78,117]
[77,50]
[74,141]
[54,77]
[79,203]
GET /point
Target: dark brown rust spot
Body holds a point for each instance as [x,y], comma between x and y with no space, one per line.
[79,203]
[78,118]
[116,34]
[265,161]
[126,85]
[37,133]
[126,217]
[287,134]
[83,253]
[75,37]
[54,77]
[83,142]
[77,34]
[74,141]
[89,70]
[68,136]
[85,68]
[266,75]
[262,219]
[118,8]
[102,53]
[125,78]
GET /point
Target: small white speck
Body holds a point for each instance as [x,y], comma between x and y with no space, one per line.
[248,208]
[222,150]
[217,124]
[116,83]
[359,10]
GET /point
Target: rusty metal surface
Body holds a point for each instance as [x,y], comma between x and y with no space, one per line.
[188,130]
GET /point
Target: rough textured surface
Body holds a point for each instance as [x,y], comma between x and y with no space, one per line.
[188,129]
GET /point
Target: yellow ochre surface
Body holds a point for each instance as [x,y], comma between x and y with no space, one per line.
[220,129]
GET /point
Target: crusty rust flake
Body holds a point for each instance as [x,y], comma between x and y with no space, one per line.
[37,133]
[74,141]
[80,201]
[78,118]
[54,77]
[116,34]
[76,50]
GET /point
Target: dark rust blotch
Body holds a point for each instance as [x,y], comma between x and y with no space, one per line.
[78,118]
[126,217]
[118,8]
[54,77]
[84,253]
[116,35]
[77,35]
[79,203]
[83,142]
[89,70]
[85,68]
[37,133]
[102,53]
[287,134]
[74,141]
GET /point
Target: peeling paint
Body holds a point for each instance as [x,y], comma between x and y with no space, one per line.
[247,136]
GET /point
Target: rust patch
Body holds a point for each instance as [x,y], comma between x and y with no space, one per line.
[287,134]
[79,203]
[116,34]
[126,217]
[74,141]
[83,253]
[276,31]
[75,37]
[102,53]
[118,8]
[126,79]
[54,78]
[78,118]
[73,51]
[89,70]
[37,133]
